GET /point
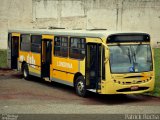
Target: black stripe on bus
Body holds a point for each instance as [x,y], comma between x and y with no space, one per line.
[63,71]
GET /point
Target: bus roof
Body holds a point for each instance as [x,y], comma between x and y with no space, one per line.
[83,33]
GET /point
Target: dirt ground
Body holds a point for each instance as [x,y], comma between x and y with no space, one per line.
[37,96]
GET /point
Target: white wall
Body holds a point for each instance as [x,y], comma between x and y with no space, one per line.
[14,14]
[121,15]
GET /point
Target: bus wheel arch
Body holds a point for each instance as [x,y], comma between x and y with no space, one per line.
[75,77]
[22,65]
[79,85]
[25,70]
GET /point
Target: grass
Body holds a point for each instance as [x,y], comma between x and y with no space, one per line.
[3,58]
[156,91]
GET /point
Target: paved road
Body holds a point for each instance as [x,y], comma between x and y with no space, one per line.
[36,96]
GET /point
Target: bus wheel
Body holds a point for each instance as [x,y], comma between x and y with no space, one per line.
[25,71]
[80,86]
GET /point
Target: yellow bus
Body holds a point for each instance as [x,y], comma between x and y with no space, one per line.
[100,61]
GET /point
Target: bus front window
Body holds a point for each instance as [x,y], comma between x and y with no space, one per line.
[130,58]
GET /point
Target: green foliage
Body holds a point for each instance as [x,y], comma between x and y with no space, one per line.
[3,58]
[156,91]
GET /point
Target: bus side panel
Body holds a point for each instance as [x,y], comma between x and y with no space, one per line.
[82,67]
[75,67]
[59,68]
[64,69]
[23,57]
[35,63]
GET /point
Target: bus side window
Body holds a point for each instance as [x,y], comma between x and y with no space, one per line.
[64,47]
[57,44]
[25,42]
[61,46]
[77,48]
[36,43]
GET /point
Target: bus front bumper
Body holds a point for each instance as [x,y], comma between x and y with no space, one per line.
[116,88]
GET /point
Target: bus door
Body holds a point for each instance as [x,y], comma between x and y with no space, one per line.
[13,52]
[46,58]
[93,65]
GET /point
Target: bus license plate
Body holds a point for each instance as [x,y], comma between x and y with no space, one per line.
[134,87]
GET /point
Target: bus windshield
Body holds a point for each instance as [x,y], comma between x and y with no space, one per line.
[130,58]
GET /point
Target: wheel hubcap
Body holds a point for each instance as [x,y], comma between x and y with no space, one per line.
[80,87]
[25,73]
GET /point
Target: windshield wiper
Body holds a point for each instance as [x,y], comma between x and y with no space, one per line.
[133,54]
[149,59]
[129,55]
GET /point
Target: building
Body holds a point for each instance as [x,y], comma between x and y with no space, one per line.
[121,15]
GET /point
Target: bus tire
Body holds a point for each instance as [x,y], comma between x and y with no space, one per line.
[80,87]
[25,71]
